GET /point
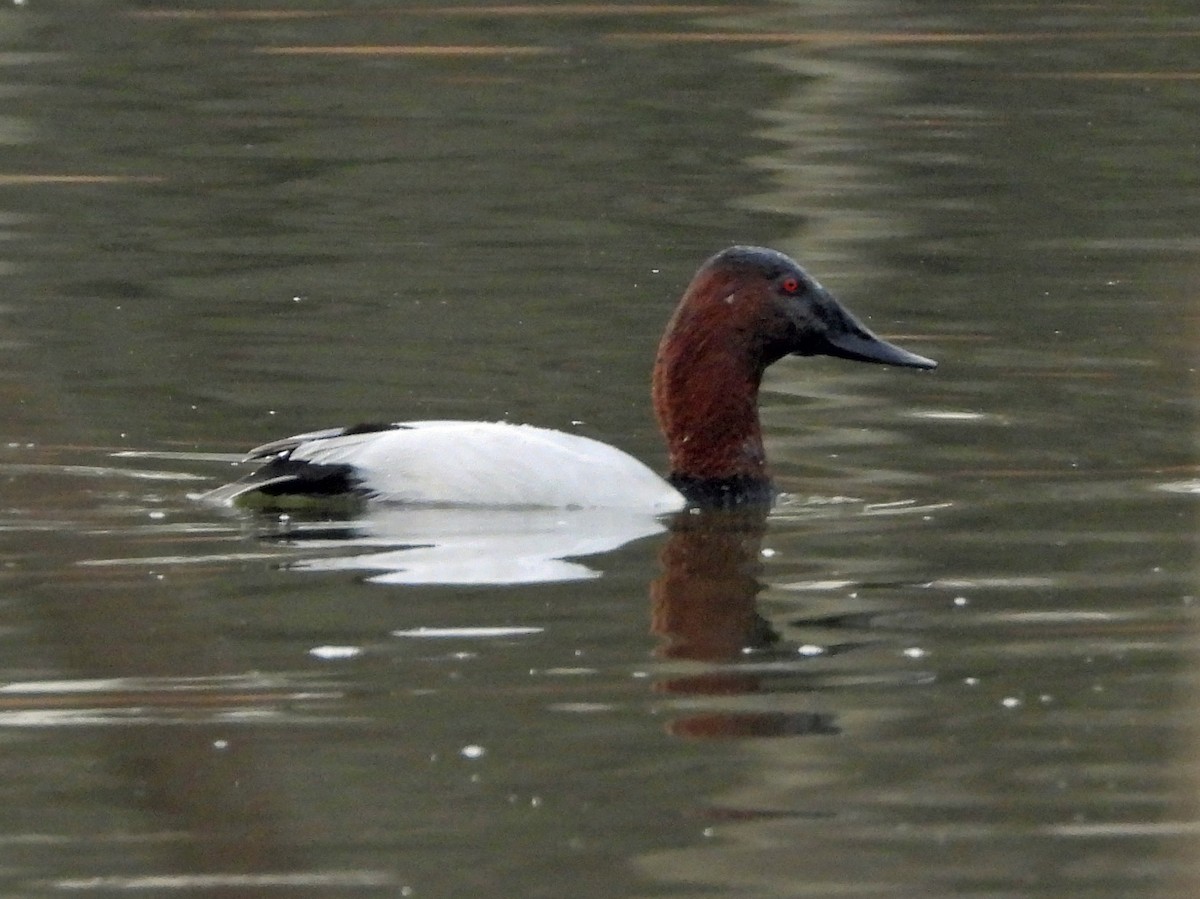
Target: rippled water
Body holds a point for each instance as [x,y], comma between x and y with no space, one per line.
[956,659]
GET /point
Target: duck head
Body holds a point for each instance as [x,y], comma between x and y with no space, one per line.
[746,308]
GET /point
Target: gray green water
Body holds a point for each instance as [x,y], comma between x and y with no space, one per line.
[983,578]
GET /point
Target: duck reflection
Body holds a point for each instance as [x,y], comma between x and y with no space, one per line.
[466,546]
[704,608]
[714,641]
[704,601]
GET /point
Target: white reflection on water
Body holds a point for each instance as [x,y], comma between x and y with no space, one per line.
[948,415]
[468,633]
[229,699]
[239,683]
[94,471]
[1190,487]
[342,879]
[478,546]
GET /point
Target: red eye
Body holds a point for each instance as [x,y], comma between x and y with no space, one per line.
[790,285]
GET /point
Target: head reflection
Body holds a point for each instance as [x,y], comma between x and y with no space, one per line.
[704,609]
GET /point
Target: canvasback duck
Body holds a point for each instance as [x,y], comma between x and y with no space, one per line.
[746,308]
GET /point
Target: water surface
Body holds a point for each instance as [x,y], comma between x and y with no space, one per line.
[954,661]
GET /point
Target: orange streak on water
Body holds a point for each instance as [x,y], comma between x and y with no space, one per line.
[1118,76]
[79,179]
[578,9]
[240,14]
[140,699]
[563,9]
[901,37]
[405,50]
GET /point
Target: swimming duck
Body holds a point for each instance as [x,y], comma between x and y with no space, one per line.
[746,308]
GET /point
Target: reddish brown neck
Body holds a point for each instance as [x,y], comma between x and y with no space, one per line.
[705,387]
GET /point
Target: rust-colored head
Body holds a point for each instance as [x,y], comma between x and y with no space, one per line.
[745,308]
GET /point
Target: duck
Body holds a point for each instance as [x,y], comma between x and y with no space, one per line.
[746,308]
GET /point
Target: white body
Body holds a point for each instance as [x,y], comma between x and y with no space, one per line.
[470,463]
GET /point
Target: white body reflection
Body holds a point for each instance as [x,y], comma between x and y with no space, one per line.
[447,545]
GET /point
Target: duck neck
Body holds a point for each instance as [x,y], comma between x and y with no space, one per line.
[706,399]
